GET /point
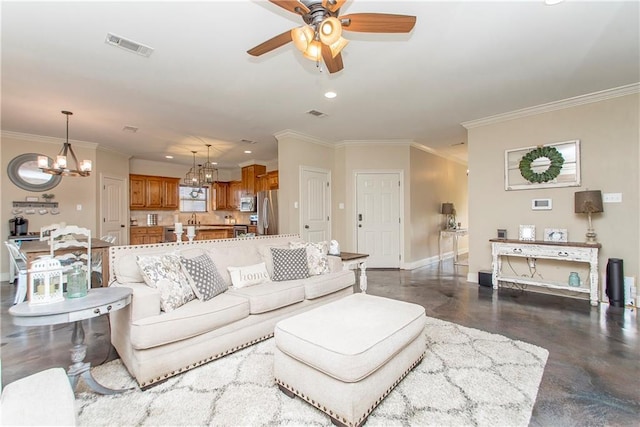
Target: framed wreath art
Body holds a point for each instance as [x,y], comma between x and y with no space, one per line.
[549,165]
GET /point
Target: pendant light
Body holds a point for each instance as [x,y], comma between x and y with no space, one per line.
[192,178]
[208,171]
[61,165]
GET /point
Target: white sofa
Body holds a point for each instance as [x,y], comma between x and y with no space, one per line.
[155,345]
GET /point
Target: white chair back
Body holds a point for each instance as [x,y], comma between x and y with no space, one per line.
[71,245]
[20,265]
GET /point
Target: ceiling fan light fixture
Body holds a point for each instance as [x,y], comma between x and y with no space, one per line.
[314,51]
[337,47]
[330,30]
[301,37]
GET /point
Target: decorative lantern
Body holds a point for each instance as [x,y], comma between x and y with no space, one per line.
[45,282]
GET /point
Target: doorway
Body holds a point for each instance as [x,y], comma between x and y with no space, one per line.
[378,217]
[114,208]
[315,197]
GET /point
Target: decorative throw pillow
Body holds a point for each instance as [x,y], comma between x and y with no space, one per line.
[204,278]
[248,275]
[164,272]
[317,259]
[289,264]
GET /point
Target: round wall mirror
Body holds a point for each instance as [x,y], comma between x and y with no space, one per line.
[24,172]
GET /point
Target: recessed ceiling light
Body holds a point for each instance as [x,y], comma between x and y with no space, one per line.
[247,151]
[552,2]
[168,157]
[330,94]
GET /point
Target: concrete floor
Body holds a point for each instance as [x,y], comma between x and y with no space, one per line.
[592,376]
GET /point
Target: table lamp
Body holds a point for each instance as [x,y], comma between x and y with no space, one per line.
[450,212]
[589,202]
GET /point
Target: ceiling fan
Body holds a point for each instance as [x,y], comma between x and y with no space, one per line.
[321,36]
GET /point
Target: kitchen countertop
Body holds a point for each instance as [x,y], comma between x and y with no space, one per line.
[198,227]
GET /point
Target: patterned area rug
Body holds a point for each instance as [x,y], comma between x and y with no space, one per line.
[468,377]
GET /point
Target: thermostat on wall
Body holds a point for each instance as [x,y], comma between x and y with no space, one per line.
[541,204]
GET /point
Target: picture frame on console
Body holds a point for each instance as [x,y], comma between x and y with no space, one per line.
[555,235]
[527,233]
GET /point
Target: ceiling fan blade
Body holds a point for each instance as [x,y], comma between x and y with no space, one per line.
[293,6]
[272,43]
[378,23]
[333,64]
[333,5]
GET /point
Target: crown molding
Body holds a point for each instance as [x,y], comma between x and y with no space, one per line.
[556,105]
[46,139]
[436,153]
[354,142]
[251,163]
[292,134]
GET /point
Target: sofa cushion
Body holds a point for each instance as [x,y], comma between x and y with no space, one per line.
[325,284]
[248,275]
[317,259]
[233,256]
[272,295]
[289,264]
[164,272]
[192,319]
[203,277]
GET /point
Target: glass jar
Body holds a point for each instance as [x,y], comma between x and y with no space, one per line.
[77,283]
[574,279]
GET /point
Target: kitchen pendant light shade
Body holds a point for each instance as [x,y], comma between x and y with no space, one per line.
[192,178]
[208,172]
[61,165]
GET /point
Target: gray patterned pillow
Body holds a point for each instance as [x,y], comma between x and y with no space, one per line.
[289,264]
[203,276]
[164,273]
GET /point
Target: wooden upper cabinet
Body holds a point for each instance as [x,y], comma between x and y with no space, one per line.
[250,178]
[272,180]
[137,192]
[219,199]
[235,192]
[153,192]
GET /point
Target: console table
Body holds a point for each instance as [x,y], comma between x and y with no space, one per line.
[561,251]
[455,234]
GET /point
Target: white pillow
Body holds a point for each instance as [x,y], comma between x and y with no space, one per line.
[249,275]
[317,259]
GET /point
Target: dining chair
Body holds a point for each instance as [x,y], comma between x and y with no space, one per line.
[96,264]
[71,245]
[20,264]
[45,232]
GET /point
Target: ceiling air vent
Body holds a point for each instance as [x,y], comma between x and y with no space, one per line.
[316,113]
[129,45]
[248,141]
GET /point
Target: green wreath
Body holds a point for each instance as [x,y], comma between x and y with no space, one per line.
[552,171]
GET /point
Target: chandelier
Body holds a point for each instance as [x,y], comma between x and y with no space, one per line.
[61,165]
[208,172]
[192,178]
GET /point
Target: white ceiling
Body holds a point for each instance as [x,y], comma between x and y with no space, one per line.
[463,61]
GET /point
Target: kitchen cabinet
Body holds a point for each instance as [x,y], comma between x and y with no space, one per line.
[153,192]
[272,180]
[252,229]
[145,235]
[250,178]
[220,233]
[235,192]
[220,197]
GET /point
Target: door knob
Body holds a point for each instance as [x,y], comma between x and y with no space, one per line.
[306,226]
[121,225]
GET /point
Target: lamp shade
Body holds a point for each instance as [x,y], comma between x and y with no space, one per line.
[589,201]
[330,30]
[447,209]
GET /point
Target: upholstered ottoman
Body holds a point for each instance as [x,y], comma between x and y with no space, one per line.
[346,356]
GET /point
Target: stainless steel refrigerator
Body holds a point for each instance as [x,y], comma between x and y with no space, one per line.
[267,212]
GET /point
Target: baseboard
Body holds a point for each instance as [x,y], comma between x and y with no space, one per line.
[4,277]
[421,263]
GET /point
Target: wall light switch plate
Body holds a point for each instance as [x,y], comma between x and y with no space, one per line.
[612,198]
[541,204]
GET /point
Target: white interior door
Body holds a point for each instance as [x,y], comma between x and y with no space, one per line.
[314,207]
[113,210]
[378,218]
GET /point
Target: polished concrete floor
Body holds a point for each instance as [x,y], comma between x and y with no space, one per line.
[592,376]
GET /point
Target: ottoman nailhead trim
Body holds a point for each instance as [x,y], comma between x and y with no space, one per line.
[362,419]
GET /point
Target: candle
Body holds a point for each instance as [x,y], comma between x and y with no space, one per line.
[191,230]
[178,227]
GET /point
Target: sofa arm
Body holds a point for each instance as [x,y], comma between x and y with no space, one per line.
[335,263]
[145,301]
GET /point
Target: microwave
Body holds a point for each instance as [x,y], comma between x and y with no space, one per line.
[247,204]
